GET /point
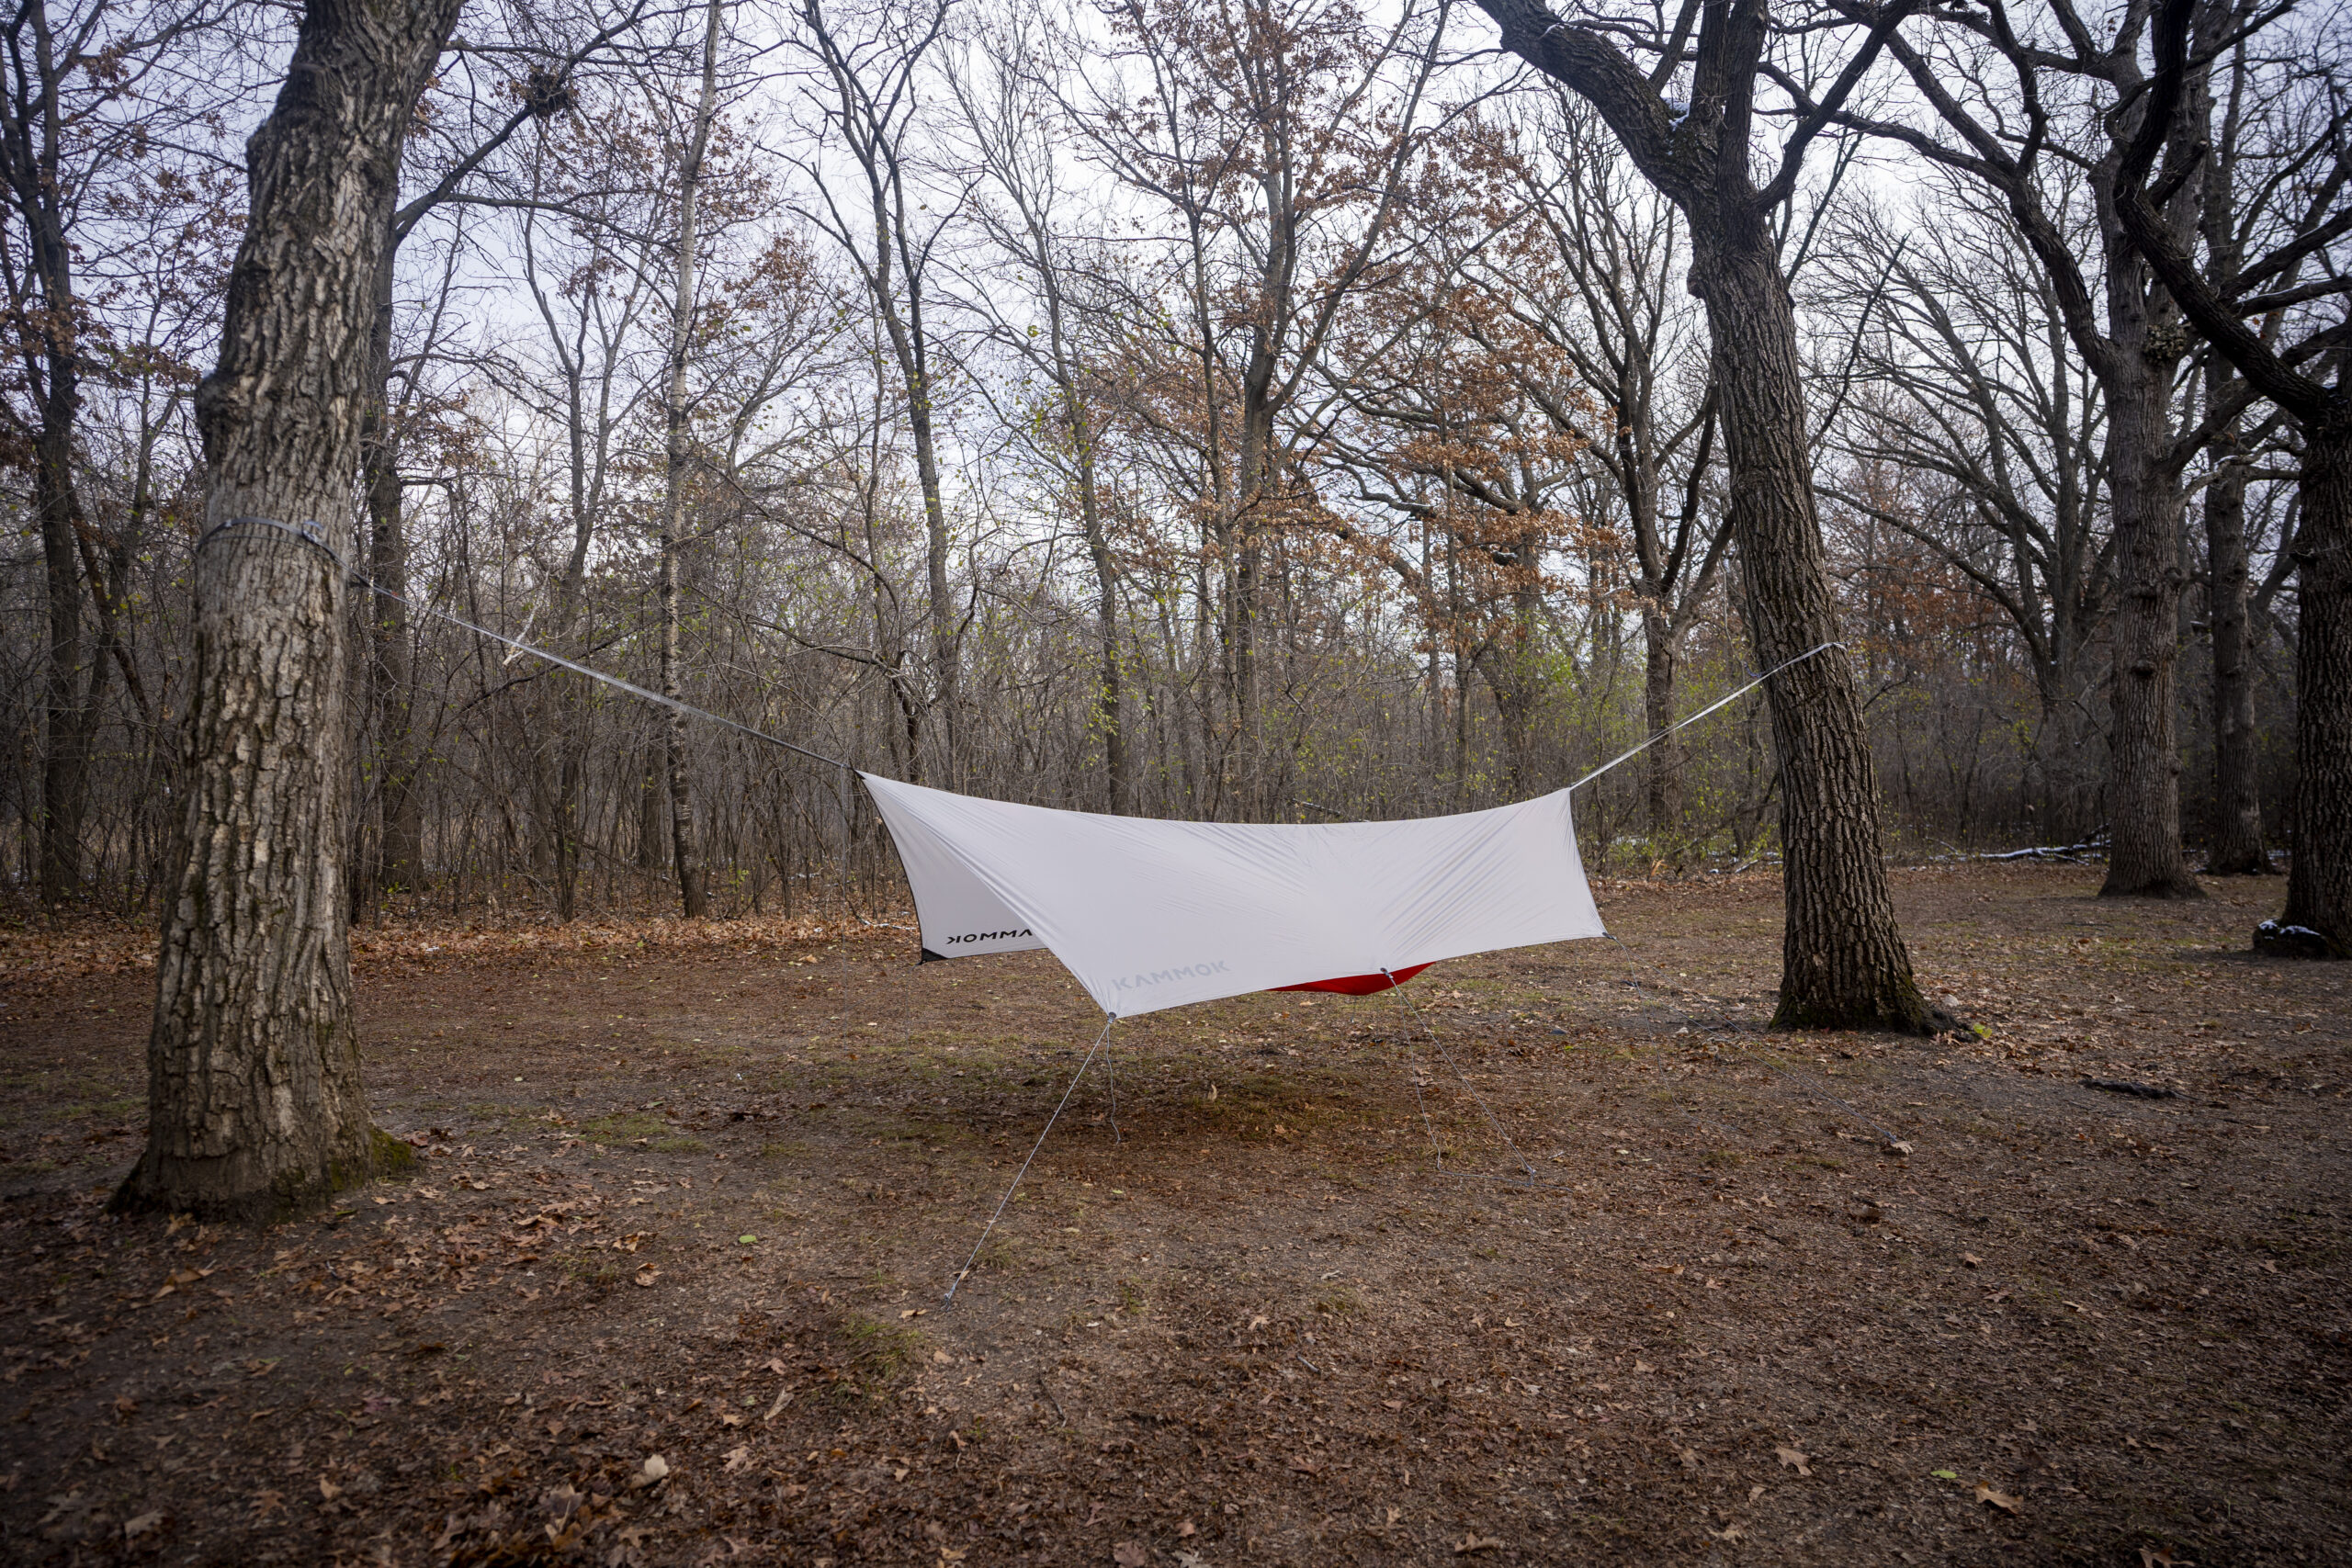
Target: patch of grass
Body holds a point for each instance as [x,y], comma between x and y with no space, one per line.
[1722,1159]
[1339,1300]
[881,1352]
[999,1256]
[622,1125]
[678,1144]
[595,1271]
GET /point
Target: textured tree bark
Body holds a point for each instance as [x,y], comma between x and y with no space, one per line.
[45,331]
[2236,847]
[2319,879]
[2318,883]
[2133,353]
[2146,858]
[255,1103]
[70,679]
[1843,961]
[1661,655]
[691,894]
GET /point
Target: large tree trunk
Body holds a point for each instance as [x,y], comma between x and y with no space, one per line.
[65,758]
[691,894]
[45,333]
[254,1093]
[1661,651]
[2318,918]
[2143,742]
[1843,961]
[2236,847]
[2319,879]
[1844,965]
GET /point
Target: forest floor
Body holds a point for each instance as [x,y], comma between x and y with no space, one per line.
[663,1285]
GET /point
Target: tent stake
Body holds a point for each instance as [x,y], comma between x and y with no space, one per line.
[1108,1019]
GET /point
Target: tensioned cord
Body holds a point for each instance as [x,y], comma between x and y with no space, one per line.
[308,534]
[1628,756]
[957,1284]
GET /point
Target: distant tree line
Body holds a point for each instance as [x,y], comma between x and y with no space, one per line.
[1254,409]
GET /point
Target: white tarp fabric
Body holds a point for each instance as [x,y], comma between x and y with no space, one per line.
[1150,915]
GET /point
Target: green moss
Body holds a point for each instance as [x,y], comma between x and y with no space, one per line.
[394,1156]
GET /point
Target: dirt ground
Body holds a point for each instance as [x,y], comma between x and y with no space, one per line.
[664,1284]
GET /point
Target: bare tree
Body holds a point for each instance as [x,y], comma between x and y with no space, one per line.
[2125,328]
[1280,135]
[1005,106]
[1843,961]
[2318,917]
[889,234]
[590,308]
[462,146]
[676,456]
[1968,388]
[1594,273]
[79,107]
[254,1101]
